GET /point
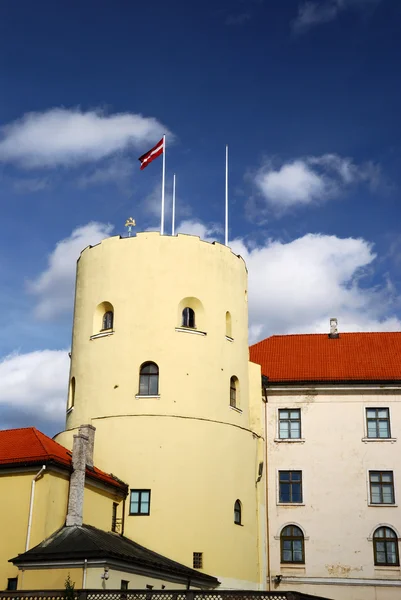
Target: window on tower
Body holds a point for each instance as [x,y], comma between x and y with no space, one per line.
[188,317]
[234,392]
[237,513]
[108,319]
[149,379]
[139,502]
[71,394]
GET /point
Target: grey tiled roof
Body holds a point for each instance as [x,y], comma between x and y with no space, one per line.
[85,541]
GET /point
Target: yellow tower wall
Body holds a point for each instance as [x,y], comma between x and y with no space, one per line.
[194,452]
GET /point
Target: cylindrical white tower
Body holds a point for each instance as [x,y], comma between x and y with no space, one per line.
[160,367]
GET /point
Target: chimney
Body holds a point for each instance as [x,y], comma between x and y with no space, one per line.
[334,329]
[82,456]
[89,432]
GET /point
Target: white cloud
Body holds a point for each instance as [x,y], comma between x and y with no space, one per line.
[298,286]
[208,233]
[54,287]
[311,13]
[61,136]
[310,180]
[35,383]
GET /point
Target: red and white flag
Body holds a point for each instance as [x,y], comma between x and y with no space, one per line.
[153,153]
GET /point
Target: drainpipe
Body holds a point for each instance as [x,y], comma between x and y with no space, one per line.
[84,577]
[265,383]
[34,480]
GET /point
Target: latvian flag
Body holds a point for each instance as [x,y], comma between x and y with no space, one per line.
[147,158]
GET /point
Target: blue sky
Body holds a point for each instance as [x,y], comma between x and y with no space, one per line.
[307,96]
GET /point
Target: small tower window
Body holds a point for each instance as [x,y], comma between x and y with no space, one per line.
[228,325]
[71,394]
[188,318]
[108,319]
[149,379]
[237,513]
[234,392]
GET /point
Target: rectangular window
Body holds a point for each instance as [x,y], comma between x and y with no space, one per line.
[124,584]
[12,583]
[290,487]
[378,422]
[289,423]
[381,487]
[139,502]
[197,561]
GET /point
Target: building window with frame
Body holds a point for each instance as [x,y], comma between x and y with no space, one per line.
[290,487]
[378,423]
[238,513]
[149,379]
[139,502]
[381,485]
[108,319]
[234,392]
[292,545]
[12,584]
[197,560]
[289,423]
[385,547]
[188,318]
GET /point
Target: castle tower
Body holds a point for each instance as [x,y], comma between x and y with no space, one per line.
[160,368]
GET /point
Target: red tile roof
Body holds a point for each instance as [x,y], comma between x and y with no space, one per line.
[29,446]
[362,357]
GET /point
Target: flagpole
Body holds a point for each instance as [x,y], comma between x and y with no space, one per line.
[226,227]
[173,211]
[163,184]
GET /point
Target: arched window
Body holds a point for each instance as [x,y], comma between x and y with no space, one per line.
[292,545]
[234,392]
[108,319]
[228,325]
[237,513]
[385,547]
[188,317]
[71,394]
[149,379]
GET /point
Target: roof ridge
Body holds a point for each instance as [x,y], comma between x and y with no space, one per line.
[36,431]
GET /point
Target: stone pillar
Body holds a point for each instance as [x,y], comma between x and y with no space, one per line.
[77,481]
[89,432]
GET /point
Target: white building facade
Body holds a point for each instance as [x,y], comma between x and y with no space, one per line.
[334,472]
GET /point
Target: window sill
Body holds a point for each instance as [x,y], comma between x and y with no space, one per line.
[138,396]
[229,339]
[104,333]
[69,410]
[289,440]
[238,410]
[139,514]
[367,439]
[383,505]
[300,566]
[291,504]
[392,568]
[190,330]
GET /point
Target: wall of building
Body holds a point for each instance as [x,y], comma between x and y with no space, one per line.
[135,582]
[197,454]
[47,516]
[49,579]
[98,506]
[335,458]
